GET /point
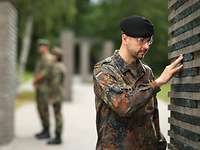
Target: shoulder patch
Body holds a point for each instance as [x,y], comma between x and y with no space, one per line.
[100,64]
[107,60]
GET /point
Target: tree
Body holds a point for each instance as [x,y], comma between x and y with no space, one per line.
[50,17]
[102,20]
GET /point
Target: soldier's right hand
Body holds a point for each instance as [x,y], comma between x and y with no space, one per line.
[34,83]
[170,71]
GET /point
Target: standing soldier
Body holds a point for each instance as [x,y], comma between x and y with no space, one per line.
[40,83]
[125,90]
[56,95]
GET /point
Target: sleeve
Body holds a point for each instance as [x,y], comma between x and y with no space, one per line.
[37,67]
[161,139]
[162,143]
[156,118]
[124,100]
[56,77]
[42,70]
[46,67]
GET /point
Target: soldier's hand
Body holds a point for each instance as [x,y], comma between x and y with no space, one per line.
[169,71]
[34,83]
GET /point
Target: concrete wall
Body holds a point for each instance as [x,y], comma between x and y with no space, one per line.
[8,16]
[184,16]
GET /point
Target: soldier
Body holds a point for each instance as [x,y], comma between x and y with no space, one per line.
[40,83]
[57,73]
[125,92]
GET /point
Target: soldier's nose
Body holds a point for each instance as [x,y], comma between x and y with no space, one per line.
[146,45]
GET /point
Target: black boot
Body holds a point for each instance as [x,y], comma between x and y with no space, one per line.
[43,135]
[56,140]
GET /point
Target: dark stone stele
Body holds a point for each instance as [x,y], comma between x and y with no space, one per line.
[180,145]
[185,12]
[178,4]
[187,27]
[186,118]
[185,102]
[188,57]
[186,87]
[186,133]
[184,43]
[188,72]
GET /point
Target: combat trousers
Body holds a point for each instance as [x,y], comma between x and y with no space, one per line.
[42,107]
[58,118]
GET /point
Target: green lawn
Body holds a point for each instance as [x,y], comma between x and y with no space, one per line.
[25,96]
[27,76]
[163,94]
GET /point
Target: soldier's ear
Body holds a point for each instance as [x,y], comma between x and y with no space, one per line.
[124,38]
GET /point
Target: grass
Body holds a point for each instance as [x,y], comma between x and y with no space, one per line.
[24,98]
[27,76]
[163,94]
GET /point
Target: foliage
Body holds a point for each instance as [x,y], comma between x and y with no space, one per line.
[163,94]
[50,18]
[96,20]
[27,76]
[103,22]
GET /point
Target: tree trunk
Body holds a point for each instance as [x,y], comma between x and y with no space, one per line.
[25,48]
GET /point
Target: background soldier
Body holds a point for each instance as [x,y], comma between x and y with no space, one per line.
[125,92]
[41,85]
[56,95]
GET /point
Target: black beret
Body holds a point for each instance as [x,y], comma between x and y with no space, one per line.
[137,26]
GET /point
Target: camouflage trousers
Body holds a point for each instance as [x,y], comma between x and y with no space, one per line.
[42,107]
[58,117]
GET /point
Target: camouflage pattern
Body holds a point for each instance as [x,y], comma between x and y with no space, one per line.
[56,80]
[58,118]
[126,105]
[56,94]
[42,68]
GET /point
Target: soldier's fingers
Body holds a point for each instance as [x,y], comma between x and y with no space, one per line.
[177,61]
[177,68]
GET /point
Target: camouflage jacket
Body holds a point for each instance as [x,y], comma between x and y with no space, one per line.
[42,68]
[56,82]
[126,105]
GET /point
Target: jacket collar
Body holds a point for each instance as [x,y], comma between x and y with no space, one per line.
[136,69]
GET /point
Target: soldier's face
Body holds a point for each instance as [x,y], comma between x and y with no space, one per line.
[42,49]
[137,47]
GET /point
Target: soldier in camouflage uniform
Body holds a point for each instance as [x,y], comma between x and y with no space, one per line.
[56,95]
[125,92]
[41,85]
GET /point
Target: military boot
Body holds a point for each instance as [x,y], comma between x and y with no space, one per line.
[56,140]
[43,135]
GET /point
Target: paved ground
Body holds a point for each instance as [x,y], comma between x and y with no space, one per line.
[79,125]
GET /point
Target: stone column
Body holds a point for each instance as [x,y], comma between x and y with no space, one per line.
[85,58]
[25,49]
[8,28]
[67,44]
[184,30]
[108,48]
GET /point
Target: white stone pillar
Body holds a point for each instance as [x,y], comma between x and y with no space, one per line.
[8,34]
[108,48]
[85,58]
[67,44]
